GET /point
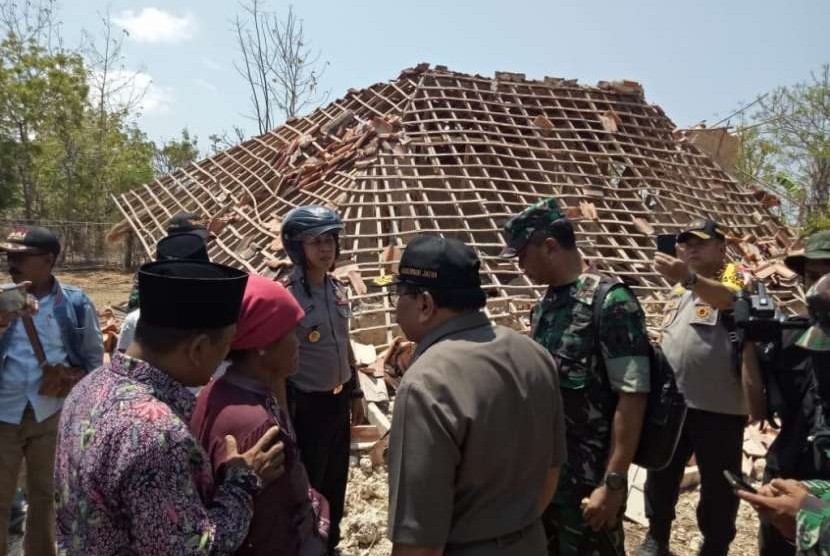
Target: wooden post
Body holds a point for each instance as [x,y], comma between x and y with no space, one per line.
[128,251]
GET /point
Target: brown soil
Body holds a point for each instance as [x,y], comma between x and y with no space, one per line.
[104,287]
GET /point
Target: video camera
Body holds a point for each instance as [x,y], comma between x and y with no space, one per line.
[757,319]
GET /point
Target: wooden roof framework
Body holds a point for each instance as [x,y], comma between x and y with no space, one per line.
[436,151]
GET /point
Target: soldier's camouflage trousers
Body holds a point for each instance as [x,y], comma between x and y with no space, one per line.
[567,532]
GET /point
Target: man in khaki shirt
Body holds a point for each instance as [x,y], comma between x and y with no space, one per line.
[478,431]
[697,339]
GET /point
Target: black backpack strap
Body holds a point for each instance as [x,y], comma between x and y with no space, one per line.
[600,294]
[602,291]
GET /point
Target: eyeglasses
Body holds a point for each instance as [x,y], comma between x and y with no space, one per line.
[324,240]
[394,292]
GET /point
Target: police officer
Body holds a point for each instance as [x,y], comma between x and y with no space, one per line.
[477,432]
[604,377]
[702,349]
[800,510]
[324,390]
[794,398]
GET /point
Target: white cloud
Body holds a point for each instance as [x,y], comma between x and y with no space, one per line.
[138,90]
[205,84]
[152,25]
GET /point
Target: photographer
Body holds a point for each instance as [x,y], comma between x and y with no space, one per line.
[795,397]
[792,509]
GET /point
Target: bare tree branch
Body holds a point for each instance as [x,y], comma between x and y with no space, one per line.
[280,69]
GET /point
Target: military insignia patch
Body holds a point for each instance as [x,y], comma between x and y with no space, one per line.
[384,280]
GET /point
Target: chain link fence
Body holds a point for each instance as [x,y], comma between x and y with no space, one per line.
[83,244]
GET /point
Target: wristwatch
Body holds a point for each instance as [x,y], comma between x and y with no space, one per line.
[690,281]
[616,481]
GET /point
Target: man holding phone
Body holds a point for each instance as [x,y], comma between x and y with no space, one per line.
[63,332]
[719,390]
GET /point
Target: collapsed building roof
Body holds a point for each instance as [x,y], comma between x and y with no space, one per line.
[436,151]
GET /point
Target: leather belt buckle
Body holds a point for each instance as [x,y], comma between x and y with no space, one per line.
[337,390]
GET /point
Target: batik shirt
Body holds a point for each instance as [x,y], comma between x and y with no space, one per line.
[813,521]
[563,323]
[131,479]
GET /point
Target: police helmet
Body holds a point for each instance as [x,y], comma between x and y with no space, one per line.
[308,221]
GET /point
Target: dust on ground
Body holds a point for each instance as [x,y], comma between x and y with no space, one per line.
[364,525]
[104,287]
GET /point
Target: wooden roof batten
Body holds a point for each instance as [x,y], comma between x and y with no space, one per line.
[436,151]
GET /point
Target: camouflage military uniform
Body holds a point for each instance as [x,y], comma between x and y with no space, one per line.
[563,323]
[817,337]
[813,521]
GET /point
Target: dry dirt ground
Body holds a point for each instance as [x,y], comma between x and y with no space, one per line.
[104,287]
[364,526]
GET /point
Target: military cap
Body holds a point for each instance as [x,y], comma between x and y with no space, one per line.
[433,261]
[817,247]
[190,295]
[703,228]
[31,240]
[518,230]
[817,337]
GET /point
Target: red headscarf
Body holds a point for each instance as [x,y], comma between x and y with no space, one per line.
[269,312]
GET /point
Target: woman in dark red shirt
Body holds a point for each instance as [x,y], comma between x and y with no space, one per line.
[290,517]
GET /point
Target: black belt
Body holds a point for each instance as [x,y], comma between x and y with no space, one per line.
[322,393]
[501,541]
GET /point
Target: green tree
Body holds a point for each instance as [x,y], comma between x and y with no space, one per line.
[786,145]
[42,95]
[64,150]
[175,153]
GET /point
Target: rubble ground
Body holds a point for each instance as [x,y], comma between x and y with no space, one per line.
[364,525]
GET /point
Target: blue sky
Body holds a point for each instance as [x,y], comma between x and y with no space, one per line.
[697,59]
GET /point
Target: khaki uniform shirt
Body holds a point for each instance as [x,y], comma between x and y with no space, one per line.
[477,426]
[323,334]
[696,343]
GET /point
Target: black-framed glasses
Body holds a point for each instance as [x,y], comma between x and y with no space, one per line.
[396,291]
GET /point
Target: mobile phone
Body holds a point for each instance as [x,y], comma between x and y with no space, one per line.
[737,482]
[667,243]
[12,297]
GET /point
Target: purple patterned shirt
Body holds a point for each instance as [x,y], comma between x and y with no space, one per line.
[130,478]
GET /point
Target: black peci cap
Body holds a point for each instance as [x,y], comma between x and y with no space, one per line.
[433,261]
[182,223]
[190,295]
[182,246]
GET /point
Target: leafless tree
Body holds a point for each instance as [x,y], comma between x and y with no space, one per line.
[113,86]
[32,20]
[225,140]
[276,62]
